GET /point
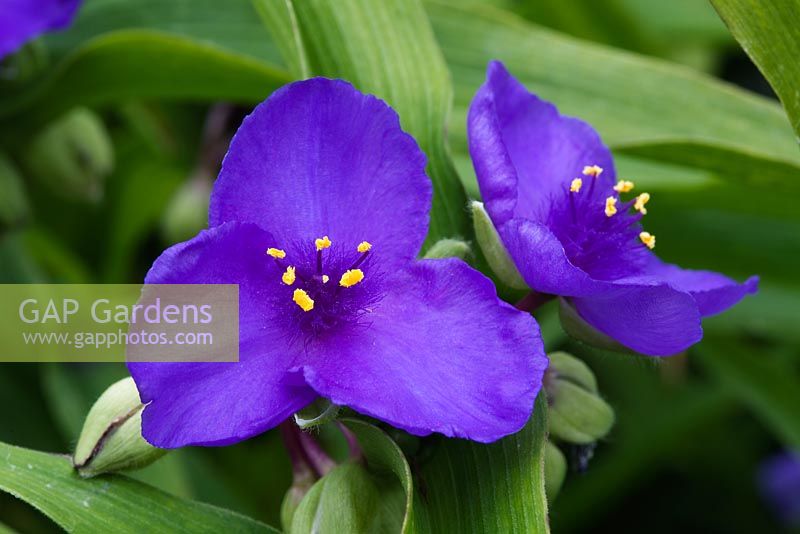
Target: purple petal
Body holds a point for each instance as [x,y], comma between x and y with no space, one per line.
[222,403]
[713,292]
[441,353]
[320,158]
[779,481]
[647,316]
[23,20]
[656,320]
[524,151]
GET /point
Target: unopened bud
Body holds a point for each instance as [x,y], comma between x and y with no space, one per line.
[449,248]
[576,327]
[555,470]
[577,413]
[14,206]
[72,156]
[111,439]
[187,211]
[493,248]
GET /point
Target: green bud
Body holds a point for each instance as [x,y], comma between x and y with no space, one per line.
[555,470]
[577,413]
[187,211]
[14,206]
[301,484]
[577,328]
[111,439]
[72,155]
[493,249]
[449,248]
[317,413]
[344,500]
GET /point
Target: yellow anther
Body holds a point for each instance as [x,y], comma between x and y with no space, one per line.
[325,278]
[276,253]
[351,277]
[322,242]
[289,276]
[592,170]
[648,239]
[611,206]
[624,186]
[575,185]
[364,246]
[302,299]
[641,200]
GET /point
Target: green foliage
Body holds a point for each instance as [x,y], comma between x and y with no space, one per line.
[767,31]
[111,504]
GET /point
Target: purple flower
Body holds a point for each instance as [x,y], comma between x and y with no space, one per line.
[549,186]
[318,214]
[779,481]
[23,20]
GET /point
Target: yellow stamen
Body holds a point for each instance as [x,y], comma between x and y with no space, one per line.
[575,185]
[624,186]
[364,246]
[302,299]
[592,170]
[325,278]
[641,200]
[322,242]
[611,206]
[276,253]
[289,276]
[648,239]
[351,277]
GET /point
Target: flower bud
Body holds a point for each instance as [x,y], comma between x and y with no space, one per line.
[72,155]
[449,248]
[577,328]
[187,211]
[14,206]
[555,470]
[111,438]
[493,248]
[577,413]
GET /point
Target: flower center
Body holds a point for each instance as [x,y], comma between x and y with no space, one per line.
[325,287]
[599,231]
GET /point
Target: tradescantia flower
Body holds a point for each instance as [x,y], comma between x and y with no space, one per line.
[318,213]
[23,20]
[549,186]
[779,482]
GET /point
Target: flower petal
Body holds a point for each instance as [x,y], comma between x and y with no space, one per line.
[441,353]
[713,292]
[656,320]
[23,20]
[320,158]
[524,151]
[222,403]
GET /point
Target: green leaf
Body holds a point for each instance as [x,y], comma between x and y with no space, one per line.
[109,503]
[764,383]
[140,64]
[385,48]
[499,487]
[768,33]
[641,106]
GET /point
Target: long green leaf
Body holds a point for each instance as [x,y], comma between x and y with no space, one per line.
[640,106]
[141,64]
[107,504]
[768,33]
[385,48]
[469,487]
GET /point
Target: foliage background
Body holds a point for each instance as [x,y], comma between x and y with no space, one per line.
[722,165]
